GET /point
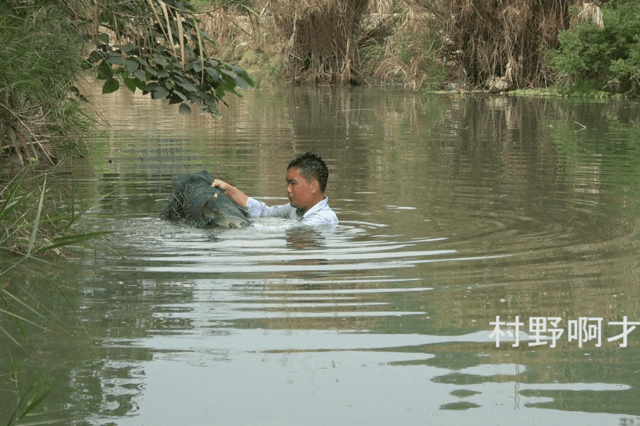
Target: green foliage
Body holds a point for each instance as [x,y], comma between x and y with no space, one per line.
[40,59]
[24,217]
[39,56]
[159,48]
[605,59]
[153,45]
[436,77]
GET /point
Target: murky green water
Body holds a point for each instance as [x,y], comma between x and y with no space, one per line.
[453,210]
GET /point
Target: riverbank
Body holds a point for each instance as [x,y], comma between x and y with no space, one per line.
[434,46]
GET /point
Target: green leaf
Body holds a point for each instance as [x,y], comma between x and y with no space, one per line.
[182,6]
[106,18]
[34,401]
[115,58]
[151,70]
[103,38]
[159,93]
[208,98]
[95,56]
[131,65]
[140,84]
[248,79]
[140,75]
[184,109]
[159,59]
[131,84]
[231,74]
[111,85]
[231,83]
[104,71]
[189,86]
[237,69]
[214,74]
[177,97]
[206,37]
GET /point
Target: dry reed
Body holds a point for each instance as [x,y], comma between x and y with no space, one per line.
[505,40]
[590,12]
[321,38]
[404,47]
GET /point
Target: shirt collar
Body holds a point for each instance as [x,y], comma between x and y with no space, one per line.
[318,206]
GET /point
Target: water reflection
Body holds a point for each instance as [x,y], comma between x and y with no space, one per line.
[453,210]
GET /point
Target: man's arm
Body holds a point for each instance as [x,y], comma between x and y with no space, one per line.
[256,208]
[238,197]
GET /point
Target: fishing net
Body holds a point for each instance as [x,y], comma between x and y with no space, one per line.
[196,201]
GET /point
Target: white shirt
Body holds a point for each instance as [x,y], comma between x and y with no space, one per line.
[320,214]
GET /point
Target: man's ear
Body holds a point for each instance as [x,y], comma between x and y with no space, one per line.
[315,186]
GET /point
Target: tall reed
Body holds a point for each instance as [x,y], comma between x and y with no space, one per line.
[508,39]
[320,36]
[40,57]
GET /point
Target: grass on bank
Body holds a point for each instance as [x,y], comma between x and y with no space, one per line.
[32,235]
[40,119]
[29,226]
[323,42]
[38,219]
[423,44]
[28,397]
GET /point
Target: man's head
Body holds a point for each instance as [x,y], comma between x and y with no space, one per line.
[307,177]
[312,167]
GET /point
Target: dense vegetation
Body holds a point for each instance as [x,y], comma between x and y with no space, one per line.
[40,61]
[432,44]
[607,58]
[158,48]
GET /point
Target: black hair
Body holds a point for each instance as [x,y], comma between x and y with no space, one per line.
[311,167]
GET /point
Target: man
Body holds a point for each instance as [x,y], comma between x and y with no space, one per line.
[307,177]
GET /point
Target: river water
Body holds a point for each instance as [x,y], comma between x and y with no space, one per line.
[458,215]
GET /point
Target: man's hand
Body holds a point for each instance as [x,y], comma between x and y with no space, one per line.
[231,191]
[224,186]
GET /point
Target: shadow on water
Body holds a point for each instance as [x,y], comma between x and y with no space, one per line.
[453,211]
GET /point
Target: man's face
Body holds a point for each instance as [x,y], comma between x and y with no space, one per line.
[302,194]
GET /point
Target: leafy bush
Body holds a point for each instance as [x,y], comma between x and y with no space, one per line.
[161,50]
[608,58]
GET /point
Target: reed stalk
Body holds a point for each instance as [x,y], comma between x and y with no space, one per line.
[41,61]
[507,39]
[321,37]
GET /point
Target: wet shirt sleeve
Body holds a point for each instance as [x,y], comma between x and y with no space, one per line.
[259,209]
